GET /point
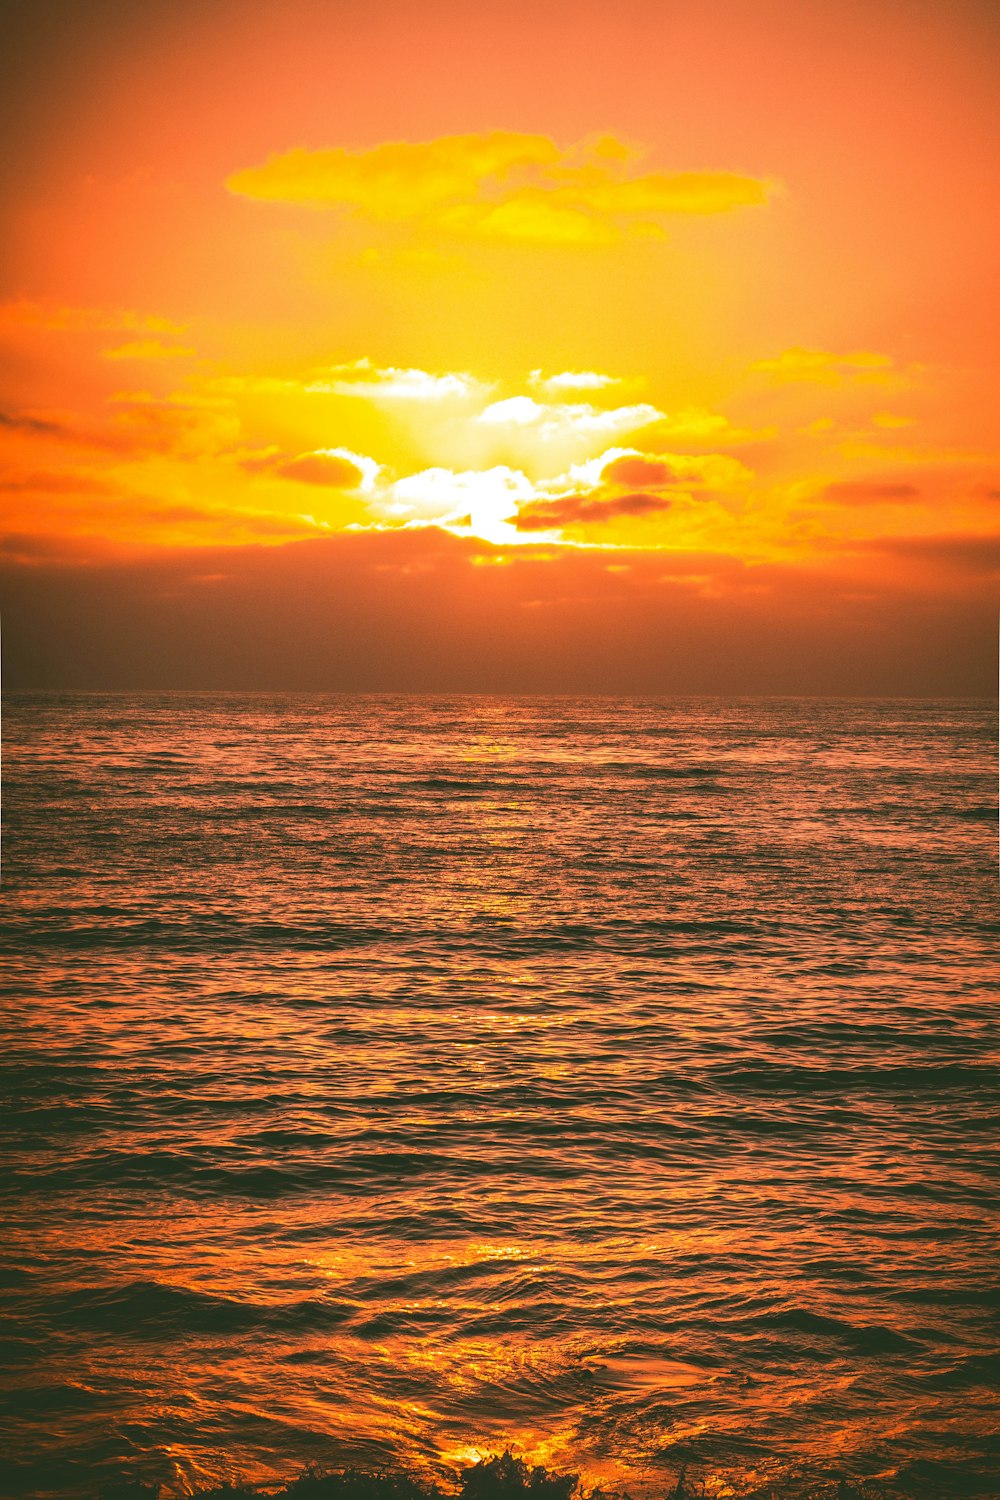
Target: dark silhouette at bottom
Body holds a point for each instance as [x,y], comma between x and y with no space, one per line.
[504,1477]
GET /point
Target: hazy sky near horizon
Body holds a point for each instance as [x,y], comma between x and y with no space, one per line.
[627,346]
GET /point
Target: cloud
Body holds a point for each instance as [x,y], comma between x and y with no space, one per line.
[890,421]
[501,502]
[183,424]
[624,484]
[233,523]
[397,179]
[149,349]
[569,510]
[632,469]
[569,383]
[28,547]
[506,185]
[99,516]
[696,427]
[822,367]
[639,468]
[534,216]
[481,500]
[333,468]
[26,313]
[330,469]
[102,508]
[555,421]
[61,483]
[870,492]
[29,422]
[362,379]
[963,552]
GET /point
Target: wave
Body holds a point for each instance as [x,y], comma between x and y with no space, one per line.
[148,1309]
[221,932]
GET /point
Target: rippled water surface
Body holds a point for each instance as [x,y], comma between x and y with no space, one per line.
[394,1077]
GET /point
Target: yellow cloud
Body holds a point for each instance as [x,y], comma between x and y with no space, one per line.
[819,428]
[822,367]
[499,184]
[148,349]
[397,179]
[53,317]
[696,426]
[890,420]
[531,216]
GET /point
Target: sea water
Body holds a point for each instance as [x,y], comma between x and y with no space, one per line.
[392,1079]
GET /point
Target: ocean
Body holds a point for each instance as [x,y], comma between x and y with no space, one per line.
[392,1079]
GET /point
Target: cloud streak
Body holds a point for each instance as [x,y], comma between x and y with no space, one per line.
[824,367]
[588,510]
[149,349]
[870,492]
[58,318]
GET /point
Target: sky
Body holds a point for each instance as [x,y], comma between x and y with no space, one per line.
[642,346]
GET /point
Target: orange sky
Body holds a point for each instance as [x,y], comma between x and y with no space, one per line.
[682,317]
